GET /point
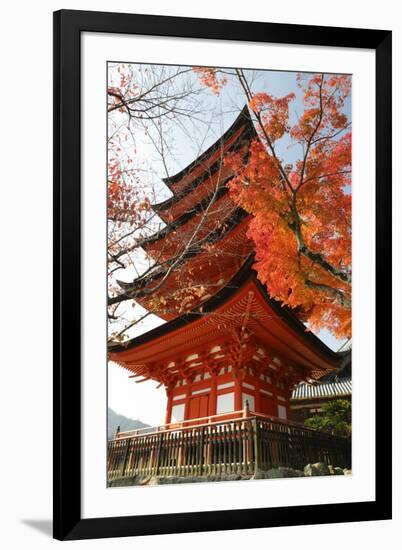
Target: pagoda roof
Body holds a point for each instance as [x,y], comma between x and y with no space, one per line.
[209,171]
[243,121]
[214,179]
[272,324]
[345,369]
[213,237]
[187,216]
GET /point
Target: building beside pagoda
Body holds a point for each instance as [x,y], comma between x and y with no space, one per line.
[228,355]
[309,398]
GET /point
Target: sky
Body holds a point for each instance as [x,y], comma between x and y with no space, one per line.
[143,401]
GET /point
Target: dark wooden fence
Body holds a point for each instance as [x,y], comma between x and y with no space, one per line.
[236,446]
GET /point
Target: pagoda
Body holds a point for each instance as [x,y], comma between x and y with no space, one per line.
[225,342]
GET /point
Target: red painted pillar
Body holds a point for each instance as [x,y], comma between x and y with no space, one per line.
[257,395]
[212,396]
[168,416]
[187,400]
[238,393]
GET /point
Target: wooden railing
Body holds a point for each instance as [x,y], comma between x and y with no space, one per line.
[236,446]
[186,423]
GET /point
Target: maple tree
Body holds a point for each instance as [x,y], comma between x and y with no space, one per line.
[141,100]
[301,208]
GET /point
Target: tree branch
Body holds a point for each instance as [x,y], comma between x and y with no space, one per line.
[334,292]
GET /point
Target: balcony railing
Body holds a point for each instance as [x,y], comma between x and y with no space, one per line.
[241,444]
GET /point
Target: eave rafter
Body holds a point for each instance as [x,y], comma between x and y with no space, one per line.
[239,350]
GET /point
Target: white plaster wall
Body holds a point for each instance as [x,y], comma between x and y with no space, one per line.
[225,403]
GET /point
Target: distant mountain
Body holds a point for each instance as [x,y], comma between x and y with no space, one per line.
[114,420]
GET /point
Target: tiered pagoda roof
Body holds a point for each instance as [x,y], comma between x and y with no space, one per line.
[218,312]
[204,242]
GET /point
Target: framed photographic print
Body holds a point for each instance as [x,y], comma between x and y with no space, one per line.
[215,181]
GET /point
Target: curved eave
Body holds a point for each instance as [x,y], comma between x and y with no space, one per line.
[210,172]
[290,318]
[238,216]
[187,216]
[244,275]
[208,306]
[243,117]
[164,205]
[344,371]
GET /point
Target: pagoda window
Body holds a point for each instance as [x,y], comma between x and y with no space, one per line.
[282,412]
[178,413]
[225,403]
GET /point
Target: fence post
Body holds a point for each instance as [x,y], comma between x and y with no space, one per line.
[246,410]
[123,471]
[201,452]
[256,437]
[158,455]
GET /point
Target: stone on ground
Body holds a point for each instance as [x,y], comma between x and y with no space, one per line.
[317,469]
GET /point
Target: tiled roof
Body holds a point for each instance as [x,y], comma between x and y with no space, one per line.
[340,388]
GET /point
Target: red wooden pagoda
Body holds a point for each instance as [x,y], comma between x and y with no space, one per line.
[225,343]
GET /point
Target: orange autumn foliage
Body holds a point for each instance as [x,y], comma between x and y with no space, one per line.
[301,211]
[208,77]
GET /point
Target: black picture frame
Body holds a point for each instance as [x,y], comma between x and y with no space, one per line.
[68,27]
